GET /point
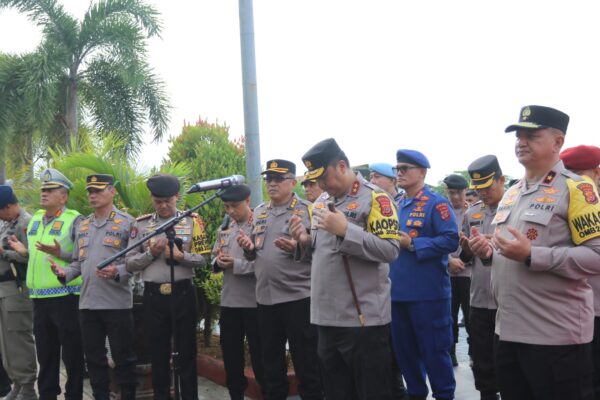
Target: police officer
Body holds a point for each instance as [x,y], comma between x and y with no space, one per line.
[311,190]
[383,175]
[585,161]
[472,197]
[238,296]
[460,272]
[351,245]
[487,179]
[545,245]
[106,299]
[51,233]
[16,309]
[282,286]
[151,259]
[421,297]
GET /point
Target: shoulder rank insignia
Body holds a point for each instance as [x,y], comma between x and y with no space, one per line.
[143,217]
[549,178]
[355,188]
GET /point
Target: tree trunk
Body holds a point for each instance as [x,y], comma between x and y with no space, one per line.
[71,117]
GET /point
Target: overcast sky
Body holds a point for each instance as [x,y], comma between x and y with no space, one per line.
[443,77]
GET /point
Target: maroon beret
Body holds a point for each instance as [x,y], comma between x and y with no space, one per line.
[581,157]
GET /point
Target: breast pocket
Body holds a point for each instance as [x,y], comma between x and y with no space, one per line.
[112,242]
[259,233]
[536,223]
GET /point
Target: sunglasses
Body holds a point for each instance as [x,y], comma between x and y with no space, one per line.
[403,168]
[276,179]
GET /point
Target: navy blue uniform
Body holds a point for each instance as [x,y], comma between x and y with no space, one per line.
[421,294]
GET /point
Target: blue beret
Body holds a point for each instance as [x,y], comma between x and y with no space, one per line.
[412,157]
[6,196]
[383,169]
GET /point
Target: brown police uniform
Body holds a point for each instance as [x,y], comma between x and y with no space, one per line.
[159,292]
[16,309]
[354,353]
[105,304]
[283,295]
[545,311]
[238,314]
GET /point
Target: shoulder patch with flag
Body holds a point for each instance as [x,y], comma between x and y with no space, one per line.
[383,219]
[584,210]
[199,239]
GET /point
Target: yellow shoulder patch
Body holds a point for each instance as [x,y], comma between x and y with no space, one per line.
[383,219]
[584,210]
[199,240]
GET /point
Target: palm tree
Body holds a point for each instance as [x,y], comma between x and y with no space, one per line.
[95,67]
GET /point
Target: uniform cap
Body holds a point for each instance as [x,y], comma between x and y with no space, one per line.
[412,157]
[235,193]
[7,196]
[318,157]
[278,166]
[163,185]
[455,181]
[307,179]
[383,169]
[537,117]
[580,158]
[483,171]
[98,181]
[53,179]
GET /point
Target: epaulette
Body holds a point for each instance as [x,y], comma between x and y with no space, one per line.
[305,202]
[143,217]
[474,204]
[373,186]
[571,175]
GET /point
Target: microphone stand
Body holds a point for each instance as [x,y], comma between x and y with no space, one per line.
[169,229]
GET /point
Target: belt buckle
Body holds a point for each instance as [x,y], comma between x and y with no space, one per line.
[165,288]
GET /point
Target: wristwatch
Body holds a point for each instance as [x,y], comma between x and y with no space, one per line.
[411,246]
[528,260]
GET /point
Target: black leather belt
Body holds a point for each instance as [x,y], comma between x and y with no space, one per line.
[167,288]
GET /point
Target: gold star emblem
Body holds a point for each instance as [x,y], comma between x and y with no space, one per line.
[273,165]
[476,175]
[94,179]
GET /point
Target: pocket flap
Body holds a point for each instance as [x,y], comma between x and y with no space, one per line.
[539,217]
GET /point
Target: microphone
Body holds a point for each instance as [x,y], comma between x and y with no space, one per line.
[222,183]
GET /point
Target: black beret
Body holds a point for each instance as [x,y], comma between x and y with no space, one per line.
[319,156]
[98,181]
[455,181]
[483,171]
[235,193]
[163,185]
[278,166]
[7,196]
[537,117]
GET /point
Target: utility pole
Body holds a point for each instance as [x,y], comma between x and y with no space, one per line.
[253,167]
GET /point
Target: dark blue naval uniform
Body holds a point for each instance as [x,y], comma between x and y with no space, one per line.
[421,295]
